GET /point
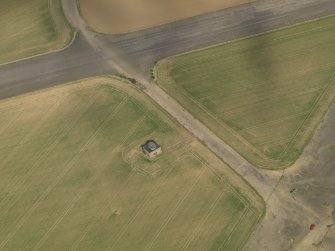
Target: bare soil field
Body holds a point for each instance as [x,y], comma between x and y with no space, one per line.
[73,176]
[263,95]
[119,16]
[31,27]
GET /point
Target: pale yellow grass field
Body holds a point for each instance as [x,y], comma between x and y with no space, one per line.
[120,16]
[31,27]
[73,177]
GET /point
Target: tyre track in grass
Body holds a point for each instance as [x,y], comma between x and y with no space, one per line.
[174,210]
[104,210]
[196,231]
[143,206]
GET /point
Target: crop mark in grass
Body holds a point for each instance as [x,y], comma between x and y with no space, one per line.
[222,73]
[224,182]
[12,121]
[242,219]
[124,229]
[156,168]
[47,150]
[103,212]
[99,223]
[270,99]
[174,210]
[143,206]
[226,241]
[229,129]
[67,168]
[238,91]
[274,121]
[312,110]
[196,231]
[25,139]
[87,186]
[305,32]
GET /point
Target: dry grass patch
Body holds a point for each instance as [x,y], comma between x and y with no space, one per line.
[263,95]
[73,176]
[120,16]
[31,27]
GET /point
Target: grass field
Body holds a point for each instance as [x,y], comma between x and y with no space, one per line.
[263,95]
[120,16]
[31,27]
[73,176]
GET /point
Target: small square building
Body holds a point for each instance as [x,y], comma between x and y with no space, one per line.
[151,148]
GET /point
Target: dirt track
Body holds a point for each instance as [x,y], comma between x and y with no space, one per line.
[133,54]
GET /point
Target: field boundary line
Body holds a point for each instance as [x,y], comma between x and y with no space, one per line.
[274,121]
[196,231]
[225,184]
[312,110]
[227,239]
[242,218]
[229,129]
[87,185]
[67,168]
[175,209]
[274,97]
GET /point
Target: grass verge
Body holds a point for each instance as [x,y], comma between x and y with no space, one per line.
[31,27]
[121,16]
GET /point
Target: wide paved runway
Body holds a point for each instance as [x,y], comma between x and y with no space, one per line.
[139,50]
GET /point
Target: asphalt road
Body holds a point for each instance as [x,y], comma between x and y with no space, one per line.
[134,54]
[141,49]
[289,215]
[76,62]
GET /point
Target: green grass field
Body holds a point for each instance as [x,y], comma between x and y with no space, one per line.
[73,176]
[263,95]
[31,27]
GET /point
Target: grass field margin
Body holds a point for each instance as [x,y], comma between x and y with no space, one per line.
[64,32]
[315,111]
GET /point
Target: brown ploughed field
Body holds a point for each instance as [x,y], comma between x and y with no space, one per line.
[120,16]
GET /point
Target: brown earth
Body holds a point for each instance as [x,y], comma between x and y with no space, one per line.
[120,16]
